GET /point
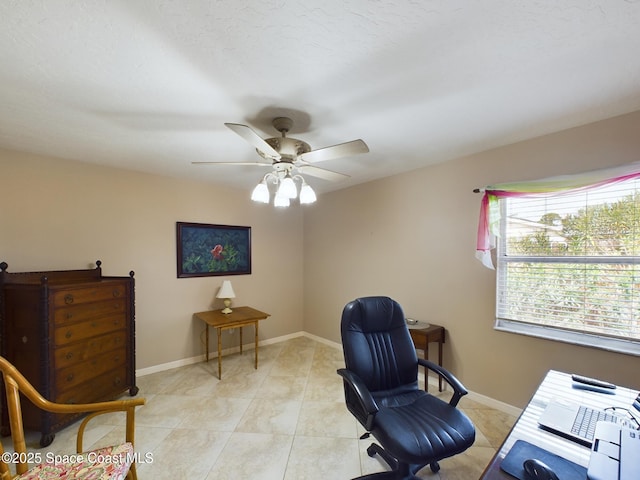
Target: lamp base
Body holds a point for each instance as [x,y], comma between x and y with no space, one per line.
[227,304]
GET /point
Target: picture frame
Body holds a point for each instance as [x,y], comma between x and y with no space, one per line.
[205,250]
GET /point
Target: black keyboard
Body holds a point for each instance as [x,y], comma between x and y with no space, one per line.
[585,423]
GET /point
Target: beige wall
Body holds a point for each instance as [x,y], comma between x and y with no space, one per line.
[412,237]
[58,214]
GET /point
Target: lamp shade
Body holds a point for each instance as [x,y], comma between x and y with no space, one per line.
[226,290]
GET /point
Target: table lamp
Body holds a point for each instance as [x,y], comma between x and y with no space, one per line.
[226,292]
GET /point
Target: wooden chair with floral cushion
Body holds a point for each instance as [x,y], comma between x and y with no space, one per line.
[116,462]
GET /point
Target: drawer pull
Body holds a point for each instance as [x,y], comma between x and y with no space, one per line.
[116,293]
[68,298]
[69,377]
[94,324]
[69,334]
[25,339]
[117,381]
[69,315]
[69,356]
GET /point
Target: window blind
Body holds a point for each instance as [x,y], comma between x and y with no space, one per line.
[571,261]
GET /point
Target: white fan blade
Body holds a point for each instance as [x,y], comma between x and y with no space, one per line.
[254,139]
[260,164]
[341,150]
[322,173]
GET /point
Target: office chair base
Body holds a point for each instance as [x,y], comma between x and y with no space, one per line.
[374,449]
[399,471]
[384,476]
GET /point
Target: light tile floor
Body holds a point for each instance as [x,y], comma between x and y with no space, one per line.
[285,421]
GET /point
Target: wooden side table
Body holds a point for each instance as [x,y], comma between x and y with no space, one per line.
[421,338]
[238,318]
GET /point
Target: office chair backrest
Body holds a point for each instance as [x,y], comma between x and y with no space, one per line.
[377,345]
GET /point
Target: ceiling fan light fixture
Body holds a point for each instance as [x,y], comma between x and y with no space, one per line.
[287,188]
[260,193]
[307,195]
[286,156]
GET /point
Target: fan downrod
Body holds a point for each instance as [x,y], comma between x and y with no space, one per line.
[282,124]
[289,148]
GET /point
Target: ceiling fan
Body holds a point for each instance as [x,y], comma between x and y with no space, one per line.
[288,156]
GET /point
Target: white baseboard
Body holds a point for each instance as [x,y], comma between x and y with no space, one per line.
[490,402]
[477,397]
[323,340]
[200,358]
[495,404]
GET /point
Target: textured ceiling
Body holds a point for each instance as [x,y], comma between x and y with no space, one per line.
[147,84]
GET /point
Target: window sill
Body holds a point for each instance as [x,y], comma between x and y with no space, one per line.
[583,339]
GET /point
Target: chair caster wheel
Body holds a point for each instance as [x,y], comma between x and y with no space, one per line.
[371,451]
[435,467]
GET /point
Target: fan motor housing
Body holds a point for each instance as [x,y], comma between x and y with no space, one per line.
[288,148]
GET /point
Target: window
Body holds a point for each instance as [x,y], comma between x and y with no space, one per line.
[569,266]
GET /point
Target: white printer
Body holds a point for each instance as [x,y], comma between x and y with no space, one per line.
[615,454]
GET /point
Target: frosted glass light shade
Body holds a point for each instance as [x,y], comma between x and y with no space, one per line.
[307,195]
[288,188]
[260,193]
[280,201]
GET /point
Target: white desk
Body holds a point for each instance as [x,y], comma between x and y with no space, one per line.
[555,385]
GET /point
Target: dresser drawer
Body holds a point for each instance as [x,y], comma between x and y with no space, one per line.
[75,332]
[105,387]
[94,293]
[84,311]
[69,377]
[83,351]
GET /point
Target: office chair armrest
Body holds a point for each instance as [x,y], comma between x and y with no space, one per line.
[458,388]
[366,403]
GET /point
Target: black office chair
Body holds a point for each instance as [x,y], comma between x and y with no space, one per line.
[414,428]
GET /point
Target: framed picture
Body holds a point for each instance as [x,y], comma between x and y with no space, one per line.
[209,250]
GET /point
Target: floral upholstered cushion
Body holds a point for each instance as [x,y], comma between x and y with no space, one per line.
[111,463]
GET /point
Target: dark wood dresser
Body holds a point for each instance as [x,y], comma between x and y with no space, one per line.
[71,333]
